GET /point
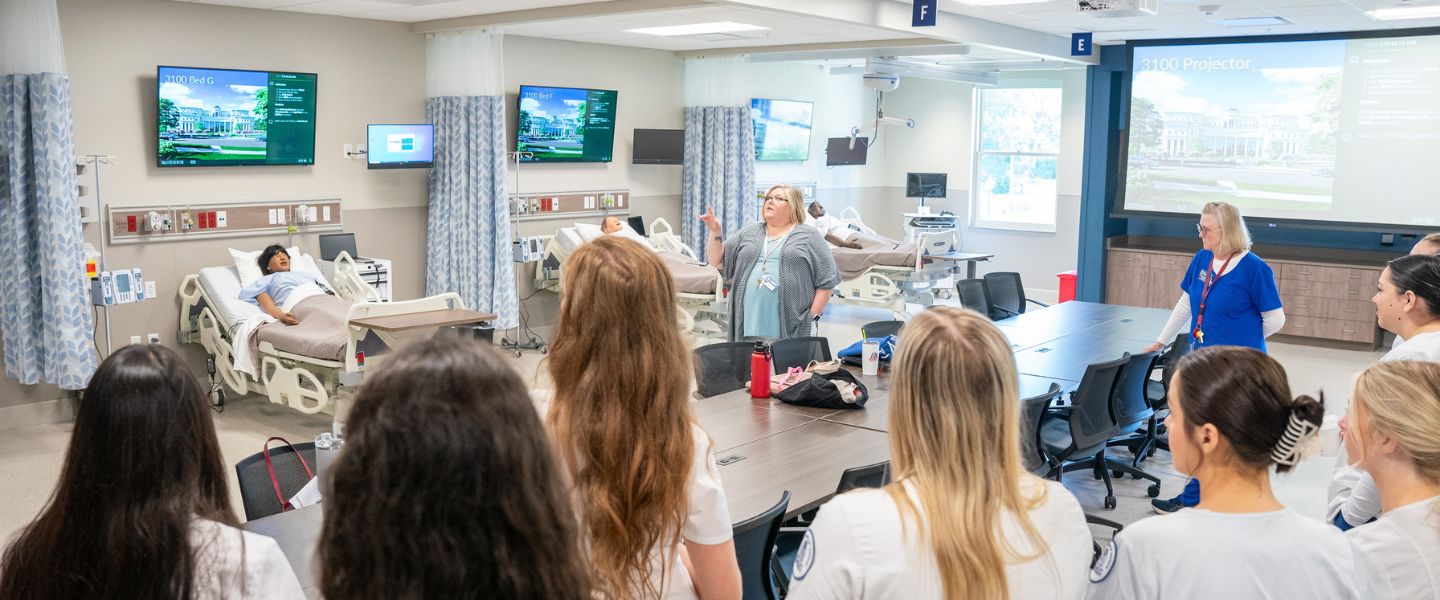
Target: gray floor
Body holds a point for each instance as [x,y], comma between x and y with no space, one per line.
[30,458]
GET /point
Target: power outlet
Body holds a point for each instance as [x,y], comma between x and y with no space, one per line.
[134,339]
[349,149]
[153,337]
[150,289]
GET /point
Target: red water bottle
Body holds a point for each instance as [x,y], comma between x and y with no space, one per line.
[760,371]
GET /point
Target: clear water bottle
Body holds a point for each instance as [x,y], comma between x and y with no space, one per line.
[327,447]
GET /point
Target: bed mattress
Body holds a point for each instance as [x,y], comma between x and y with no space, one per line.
[875,251]
[569,239]
[222,295]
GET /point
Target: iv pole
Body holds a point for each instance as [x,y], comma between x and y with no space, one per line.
[518,344]
[97,160]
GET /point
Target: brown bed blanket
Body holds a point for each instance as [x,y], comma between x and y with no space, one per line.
[874,251]
[320,334]
[691,276]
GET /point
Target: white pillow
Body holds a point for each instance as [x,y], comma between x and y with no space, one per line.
[629,233]
[588,231]
[249,270]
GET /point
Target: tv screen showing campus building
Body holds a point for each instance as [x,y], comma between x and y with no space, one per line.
[400,146]
[565,124]
[1336,130]
[782,129]
[227,117]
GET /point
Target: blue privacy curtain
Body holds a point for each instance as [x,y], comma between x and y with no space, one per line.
[46,326]
[719,147]
[468,245]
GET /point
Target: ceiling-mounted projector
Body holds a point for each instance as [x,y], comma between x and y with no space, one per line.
[882,82]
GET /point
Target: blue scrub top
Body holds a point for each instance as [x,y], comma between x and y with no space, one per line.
[278,285]
[762,304]
[1232,312]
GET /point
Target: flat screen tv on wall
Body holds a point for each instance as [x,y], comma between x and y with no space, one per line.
[782,128]
[231,117]
[556,124]
[400,146]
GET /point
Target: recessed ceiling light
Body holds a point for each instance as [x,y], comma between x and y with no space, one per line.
[1404,12]
[1254,21]
[697,29]
[1000,2]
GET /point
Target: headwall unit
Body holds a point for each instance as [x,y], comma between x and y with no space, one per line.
[142,223]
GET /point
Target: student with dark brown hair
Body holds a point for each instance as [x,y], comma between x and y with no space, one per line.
[447,487]
[1231,419]
[142,509]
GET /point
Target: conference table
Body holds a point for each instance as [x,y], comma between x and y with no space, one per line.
[765,447]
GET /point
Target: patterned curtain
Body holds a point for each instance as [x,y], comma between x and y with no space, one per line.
[45,319]
[719,147]
[719,171]
[468,246]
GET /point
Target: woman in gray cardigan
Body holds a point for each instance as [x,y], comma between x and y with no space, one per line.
[781,272]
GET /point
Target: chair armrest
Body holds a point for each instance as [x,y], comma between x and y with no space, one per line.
[1033,301]
[1008,312]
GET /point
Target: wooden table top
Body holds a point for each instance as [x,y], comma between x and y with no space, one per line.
[426,319]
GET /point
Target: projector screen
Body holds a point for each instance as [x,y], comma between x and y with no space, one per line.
[1335,131]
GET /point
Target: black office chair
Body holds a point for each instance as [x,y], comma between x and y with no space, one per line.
[722,367]
[638,224]
[1006,292]
[798,352]
[881,329]
[257,493]
[1131,411]
[1078,442]
[975,295]
[787,542]
[1033,411]
[755,549]
[1153,437]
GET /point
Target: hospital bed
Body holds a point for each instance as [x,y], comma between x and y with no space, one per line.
[700,291]
[302,374]
[888,274]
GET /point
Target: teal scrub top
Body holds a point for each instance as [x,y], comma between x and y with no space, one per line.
[762,304]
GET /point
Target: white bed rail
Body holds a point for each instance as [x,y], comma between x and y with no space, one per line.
[361,310]
[852,217]
[347,281]
[939,242]
[663,236]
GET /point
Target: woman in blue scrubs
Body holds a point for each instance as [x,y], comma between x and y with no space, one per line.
[1229,299]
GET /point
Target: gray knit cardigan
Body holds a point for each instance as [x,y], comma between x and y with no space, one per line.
[806,266]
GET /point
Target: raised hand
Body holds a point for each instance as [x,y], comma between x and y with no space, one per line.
[711,221]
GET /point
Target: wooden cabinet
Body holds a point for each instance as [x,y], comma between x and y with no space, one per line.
[1321,300]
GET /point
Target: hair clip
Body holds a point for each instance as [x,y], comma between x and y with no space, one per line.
[1294,445]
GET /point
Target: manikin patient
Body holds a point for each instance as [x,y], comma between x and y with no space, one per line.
[829,225]
[270,291]
[611,225]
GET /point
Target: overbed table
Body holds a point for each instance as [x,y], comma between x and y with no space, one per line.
[765,447]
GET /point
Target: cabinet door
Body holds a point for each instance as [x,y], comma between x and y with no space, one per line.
[1128,286]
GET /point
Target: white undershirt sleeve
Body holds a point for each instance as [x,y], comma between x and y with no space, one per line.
[1179,319]
[1272,321]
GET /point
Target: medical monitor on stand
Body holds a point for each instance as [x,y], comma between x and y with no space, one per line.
[925,185]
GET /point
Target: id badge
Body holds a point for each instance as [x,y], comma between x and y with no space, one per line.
[769,283]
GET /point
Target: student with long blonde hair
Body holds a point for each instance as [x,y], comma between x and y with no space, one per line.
[645,481]
[963,519]
[1393,432]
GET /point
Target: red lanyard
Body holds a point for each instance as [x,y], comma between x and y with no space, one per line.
[1204,294]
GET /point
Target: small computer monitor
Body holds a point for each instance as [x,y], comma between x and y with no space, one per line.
[332,244]
[925,185]
[840,151]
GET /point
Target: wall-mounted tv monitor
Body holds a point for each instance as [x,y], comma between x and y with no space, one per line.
[925,185]
[1321,129]
[840,152]
[658,147]
[229,117]
[400,146]
[557,124]
[782,128]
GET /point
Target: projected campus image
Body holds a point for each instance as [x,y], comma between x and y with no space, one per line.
[565,124]
[1322,130]
[782,129]
[225,117]
[1251,124]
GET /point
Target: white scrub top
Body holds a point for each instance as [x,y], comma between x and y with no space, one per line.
[239,565]
[1203,555]
[1403,550]
[856,549]
[1424,346]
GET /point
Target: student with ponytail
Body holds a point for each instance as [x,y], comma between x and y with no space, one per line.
[1393,433]
[963,519]
[1231,418]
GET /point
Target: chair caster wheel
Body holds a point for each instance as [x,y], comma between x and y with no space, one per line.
[1150,452]
[1109,503]
[1118,474]
[1153,491]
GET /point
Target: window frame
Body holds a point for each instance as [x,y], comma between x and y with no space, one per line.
[978,154]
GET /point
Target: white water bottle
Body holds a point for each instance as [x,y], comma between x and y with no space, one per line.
[870,358]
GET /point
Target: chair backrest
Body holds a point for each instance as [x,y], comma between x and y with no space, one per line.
[722,367]
[754,545]
[1178,348]
[1006,291]
[799,351]
[1032,416]
[1091,423]
[881,329]
[257,493]
[1128,406]
[868,476]
[975,296]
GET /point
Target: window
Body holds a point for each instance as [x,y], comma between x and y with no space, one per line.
[1016,153]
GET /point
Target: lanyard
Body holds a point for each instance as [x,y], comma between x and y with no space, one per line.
[765,251]
[1205,294]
